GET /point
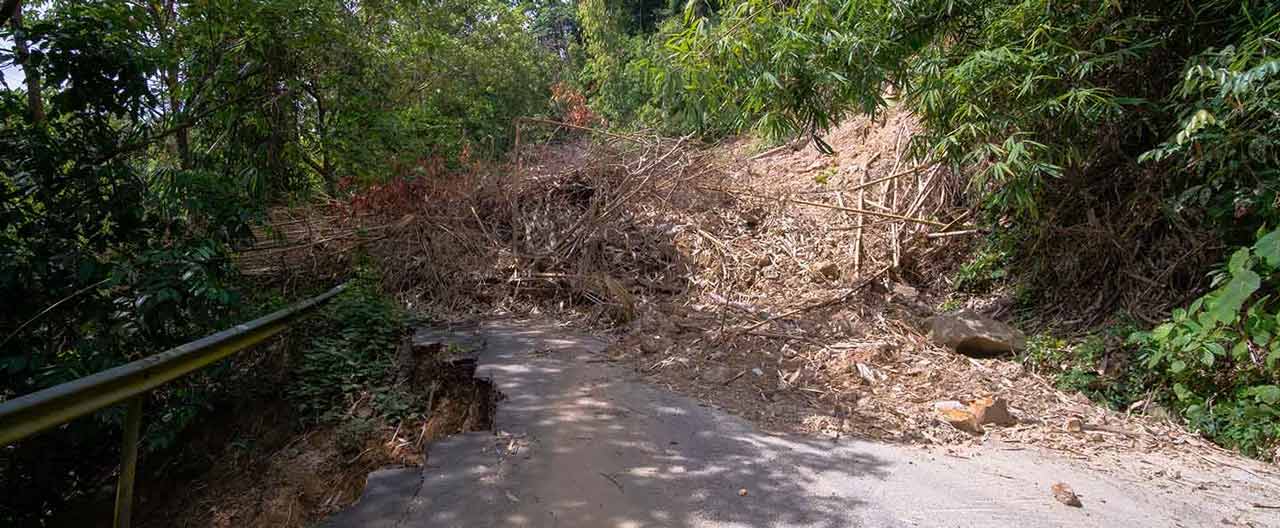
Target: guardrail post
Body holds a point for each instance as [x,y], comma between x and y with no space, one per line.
[128,461]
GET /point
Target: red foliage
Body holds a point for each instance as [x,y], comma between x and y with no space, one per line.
[409,189]
[572,105]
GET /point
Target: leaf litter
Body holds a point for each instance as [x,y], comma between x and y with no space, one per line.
[782,285]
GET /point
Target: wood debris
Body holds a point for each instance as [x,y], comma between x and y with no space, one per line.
[707,264]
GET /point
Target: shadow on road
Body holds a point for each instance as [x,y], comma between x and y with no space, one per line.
[582,443]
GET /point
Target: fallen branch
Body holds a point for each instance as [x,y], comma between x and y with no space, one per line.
[829,302]
[944,234]
[867,212]
[51,307]
[953,223]
[905,172]
[271,250]
[830,206]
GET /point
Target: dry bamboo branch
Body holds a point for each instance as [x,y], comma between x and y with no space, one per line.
[862,204]
[829,302]
[944,234]
[904,172]
[871,213]
[828,206]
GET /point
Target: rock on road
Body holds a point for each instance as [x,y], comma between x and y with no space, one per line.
[582,443]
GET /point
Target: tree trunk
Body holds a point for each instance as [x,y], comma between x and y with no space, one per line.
[322,128]
[182,137]
[165,17]
[35,95]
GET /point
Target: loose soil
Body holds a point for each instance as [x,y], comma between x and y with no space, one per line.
[257,465]
[777,284]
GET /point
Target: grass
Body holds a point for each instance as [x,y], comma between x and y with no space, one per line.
[1096,365]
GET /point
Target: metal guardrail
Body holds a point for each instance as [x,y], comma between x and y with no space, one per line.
[35,412]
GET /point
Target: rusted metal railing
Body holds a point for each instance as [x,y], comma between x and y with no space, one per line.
[30,414]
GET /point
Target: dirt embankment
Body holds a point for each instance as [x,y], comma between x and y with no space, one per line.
[786,286]
[259,464]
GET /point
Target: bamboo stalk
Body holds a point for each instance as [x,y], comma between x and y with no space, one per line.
[894,228]
[895,175]
[829,206]
[945,234]
[862,204]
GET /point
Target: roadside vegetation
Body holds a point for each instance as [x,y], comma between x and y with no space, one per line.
[1121,163]
[1110,147]
[141,145]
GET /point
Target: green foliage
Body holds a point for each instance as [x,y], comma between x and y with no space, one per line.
[149,137]
[784,68]
[824,176]
[1024,94]
[1228,107]
[169,128]
[1219,355]
[619,67]
[352,352]
[1094,366]
[984,270]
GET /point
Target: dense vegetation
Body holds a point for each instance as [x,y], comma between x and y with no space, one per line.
[1105,140]
[142,140]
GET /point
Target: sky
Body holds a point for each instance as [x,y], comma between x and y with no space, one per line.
[12,75]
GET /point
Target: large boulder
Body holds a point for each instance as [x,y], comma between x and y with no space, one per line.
[975,335]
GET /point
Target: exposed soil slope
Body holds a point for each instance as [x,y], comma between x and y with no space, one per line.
[736,274]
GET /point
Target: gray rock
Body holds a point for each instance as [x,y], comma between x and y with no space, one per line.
[719,375]
[828,269]
[655,345]
[904,293]
[975,335]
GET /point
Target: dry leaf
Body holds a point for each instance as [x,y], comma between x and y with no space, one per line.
[1065,495]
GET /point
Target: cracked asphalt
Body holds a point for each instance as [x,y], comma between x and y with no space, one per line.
[579,442]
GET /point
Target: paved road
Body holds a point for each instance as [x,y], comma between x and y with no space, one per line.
[581,443]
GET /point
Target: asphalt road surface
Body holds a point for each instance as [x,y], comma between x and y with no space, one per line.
[579,442]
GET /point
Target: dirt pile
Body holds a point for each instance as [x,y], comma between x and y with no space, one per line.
[787,286]
[799,323]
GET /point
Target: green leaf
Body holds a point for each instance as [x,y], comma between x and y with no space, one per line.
[1226,307]
[1268,247]
[770,77]
[1268,394]
[1239,260]
[1241,350]
[1177,366]
[822,146]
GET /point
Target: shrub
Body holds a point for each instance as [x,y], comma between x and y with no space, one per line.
[1219,355]
[1228,108]
[352,351]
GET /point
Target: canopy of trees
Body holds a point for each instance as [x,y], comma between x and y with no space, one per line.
[143,139]
[1106,140]
[146,137]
